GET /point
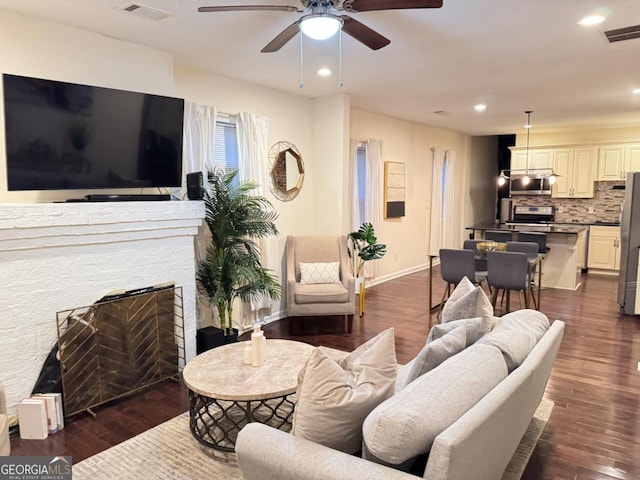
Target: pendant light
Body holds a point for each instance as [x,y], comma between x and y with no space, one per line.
[546,173]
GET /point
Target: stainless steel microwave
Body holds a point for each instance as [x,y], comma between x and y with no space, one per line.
[536,186]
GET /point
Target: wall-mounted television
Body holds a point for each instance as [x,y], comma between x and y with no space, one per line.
[62,136]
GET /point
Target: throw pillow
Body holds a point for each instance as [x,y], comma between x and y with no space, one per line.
[476,328]
[466,301]
[437,351]
[312,273]
[334,398]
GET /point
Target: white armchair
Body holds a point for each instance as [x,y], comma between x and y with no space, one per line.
[5,447]
[319,299]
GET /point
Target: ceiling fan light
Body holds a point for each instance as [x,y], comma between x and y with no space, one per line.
[320,27]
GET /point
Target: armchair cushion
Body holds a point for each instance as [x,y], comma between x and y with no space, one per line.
[334,397]
[313,273]
[321,293]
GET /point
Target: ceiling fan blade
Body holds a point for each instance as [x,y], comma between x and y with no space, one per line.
[231,8]
[282,38]
[370,5]
[362,33]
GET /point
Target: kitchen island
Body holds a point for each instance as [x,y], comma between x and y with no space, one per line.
[563,263]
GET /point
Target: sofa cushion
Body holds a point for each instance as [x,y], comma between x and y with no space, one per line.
[313,273]
[405,425]
[526,319]
[476,328]
[321,293]
[516,334]
[466,301]
[437,351]
[335,397]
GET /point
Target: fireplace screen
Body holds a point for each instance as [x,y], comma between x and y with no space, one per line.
[120,345]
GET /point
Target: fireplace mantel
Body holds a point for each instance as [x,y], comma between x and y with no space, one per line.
[56,256]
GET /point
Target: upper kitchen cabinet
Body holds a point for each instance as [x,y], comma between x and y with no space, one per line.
[576,170]
[539,160]
[616,160]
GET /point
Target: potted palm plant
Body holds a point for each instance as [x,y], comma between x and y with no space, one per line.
[363,246]
[231,268]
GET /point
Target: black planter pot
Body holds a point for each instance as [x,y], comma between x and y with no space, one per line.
[208,338]
[231,338]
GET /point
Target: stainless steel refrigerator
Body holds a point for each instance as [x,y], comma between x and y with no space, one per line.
[629,244]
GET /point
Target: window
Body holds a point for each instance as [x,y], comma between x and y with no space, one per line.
[361,159]
[226,144]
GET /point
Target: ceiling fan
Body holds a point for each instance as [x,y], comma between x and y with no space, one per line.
[326,11]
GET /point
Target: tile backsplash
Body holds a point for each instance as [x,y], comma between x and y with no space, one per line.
[603,207]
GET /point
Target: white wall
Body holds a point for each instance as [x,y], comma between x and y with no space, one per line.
[331,172]
[42,49]
[291,118]
[407,238]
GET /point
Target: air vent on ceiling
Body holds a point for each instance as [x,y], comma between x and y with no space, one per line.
[441,112]
[621,34]
[145,11]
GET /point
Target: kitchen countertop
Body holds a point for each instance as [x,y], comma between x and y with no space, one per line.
[567,228]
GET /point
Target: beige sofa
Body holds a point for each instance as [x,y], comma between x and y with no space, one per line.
[5,447]
[477,445]
[321,299]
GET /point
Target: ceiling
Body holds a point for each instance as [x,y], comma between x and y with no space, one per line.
[511,55]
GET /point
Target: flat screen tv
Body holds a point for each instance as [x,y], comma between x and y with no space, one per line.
[62,136]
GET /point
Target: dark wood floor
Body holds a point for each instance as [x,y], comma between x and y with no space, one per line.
[594,430]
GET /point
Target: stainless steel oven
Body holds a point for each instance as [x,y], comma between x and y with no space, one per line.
[538,185]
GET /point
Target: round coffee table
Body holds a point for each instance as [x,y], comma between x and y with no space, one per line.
[225,394]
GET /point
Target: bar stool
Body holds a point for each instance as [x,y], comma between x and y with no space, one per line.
[498,236]
[538,238]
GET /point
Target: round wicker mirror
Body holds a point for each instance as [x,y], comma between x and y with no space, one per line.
[287,171]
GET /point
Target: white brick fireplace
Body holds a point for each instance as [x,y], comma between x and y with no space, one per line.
[64,255]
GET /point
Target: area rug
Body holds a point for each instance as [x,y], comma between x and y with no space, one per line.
[169,452]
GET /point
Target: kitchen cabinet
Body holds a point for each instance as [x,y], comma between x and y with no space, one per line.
[604,248]
[576,170]
[540,161]
[616,160]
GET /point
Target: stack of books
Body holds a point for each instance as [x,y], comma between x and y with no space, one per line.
[40,415]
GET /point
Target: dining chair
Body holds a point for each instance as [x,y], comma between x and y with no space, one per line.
[540,238]
[508,271]
[531,249]
[455,264]
[481,263]
[498,235]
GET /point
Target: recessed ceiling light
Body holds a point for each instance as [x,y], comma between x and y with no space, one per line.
[481,107]
[592,20]
[324,72]
[636,91]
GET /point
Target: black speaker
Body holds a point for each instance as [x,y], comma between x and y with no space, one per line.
[195,187]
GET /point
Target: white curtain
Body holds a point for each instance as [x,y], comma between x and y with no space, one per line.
[198,147]
[450,231]
[373,188]
[373,198]
[354,222]
[437,167]
[253,164]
